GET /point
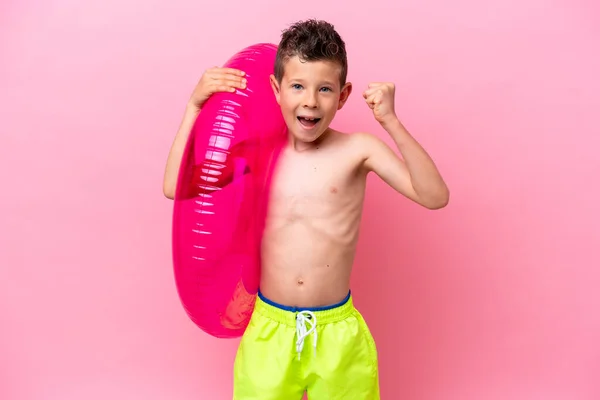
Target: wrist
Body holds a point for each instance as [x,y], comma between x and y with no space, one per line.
[192,108]
[398,132]
[391,124]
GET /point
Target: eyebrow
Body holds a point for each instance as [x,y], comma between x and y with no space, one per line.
[326,82]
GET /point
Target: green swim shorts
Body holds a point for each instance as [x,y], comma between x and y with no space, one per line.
[327,352]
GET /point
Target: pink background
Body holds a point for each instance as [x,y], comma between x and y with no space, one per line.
[494,297]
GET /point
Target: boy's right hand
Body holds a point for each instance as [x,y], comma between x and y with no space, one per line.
[216,80]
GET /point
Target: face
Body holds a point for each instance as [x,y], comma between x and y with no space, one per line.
[310,94]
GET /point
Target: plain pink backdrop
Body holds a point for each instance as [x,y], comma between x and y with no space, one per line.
[494,297]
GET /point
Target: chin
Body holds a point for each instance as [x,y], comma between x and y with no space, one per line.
[306,137]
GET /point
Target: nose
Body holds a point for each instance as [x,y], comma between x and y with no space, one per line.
[310,100]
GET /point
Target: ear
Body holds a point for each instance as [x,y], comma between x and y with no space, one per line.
[344,94]
[275,87]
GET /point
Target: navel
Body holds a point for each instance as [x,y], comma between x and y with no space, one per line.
[300,282]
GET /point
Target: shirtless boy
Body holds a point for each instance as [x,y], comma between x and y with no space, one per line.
[305,334]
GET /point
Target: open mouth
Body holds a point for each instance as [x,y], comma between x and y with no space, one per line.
[308,122]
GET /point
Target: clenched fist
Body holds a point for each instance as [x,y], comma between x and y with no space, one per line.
[380,98]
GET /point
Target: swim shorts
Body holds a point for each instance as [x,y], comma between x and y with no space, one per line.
[327,352]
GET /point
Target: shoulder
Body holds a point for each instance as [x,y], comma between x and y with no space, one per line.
[366,144]
[365,139]
[354,140]
[360,147]
[373,152]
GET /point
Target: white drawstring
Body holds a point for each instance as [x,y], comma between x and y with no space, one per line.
[302,318]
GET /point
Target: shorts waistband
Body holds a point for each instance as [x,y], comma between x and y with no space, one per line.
[287,314]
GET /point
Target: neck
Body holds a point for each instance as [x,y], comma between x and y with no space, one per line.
[300,146]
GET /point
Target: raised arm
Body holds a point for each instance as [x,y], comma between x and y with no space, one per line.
[415,175]
[177,149]
[212,81]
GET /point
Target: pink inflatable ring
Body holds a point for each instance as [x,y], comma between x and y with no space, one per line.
[221,198]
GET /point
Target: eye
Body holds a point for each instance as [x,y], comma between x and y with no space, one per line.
[326,89]
[297,86]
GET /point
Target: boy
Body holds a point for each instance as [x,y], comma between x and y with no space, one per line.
[312,223]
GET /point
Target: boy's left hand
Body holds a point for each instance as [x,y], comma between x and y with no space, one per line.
[380,98]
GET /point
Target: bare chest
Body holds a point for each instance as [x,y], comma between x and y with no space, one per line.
[313,187]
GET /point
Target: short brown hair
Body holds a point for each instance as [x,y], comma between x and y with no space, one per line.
[311,40]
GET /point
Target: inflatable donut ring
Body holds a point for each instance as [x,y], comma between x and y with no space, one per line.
[222,195]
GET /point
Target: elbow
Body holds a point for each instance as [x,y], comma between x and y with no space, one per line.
[437,205]
[169,191]
[439,200]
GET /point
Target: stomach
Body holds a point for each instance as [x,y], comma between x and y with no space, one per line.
[307,262]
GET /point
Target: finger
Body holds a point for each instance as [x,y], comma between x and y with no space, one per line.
[226,71]
[370,95]
[210,71]
[375,96]
[223,88]
[229,79]
[370,92]
[233,71]
[228,84]
[232,82]
[375,84]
